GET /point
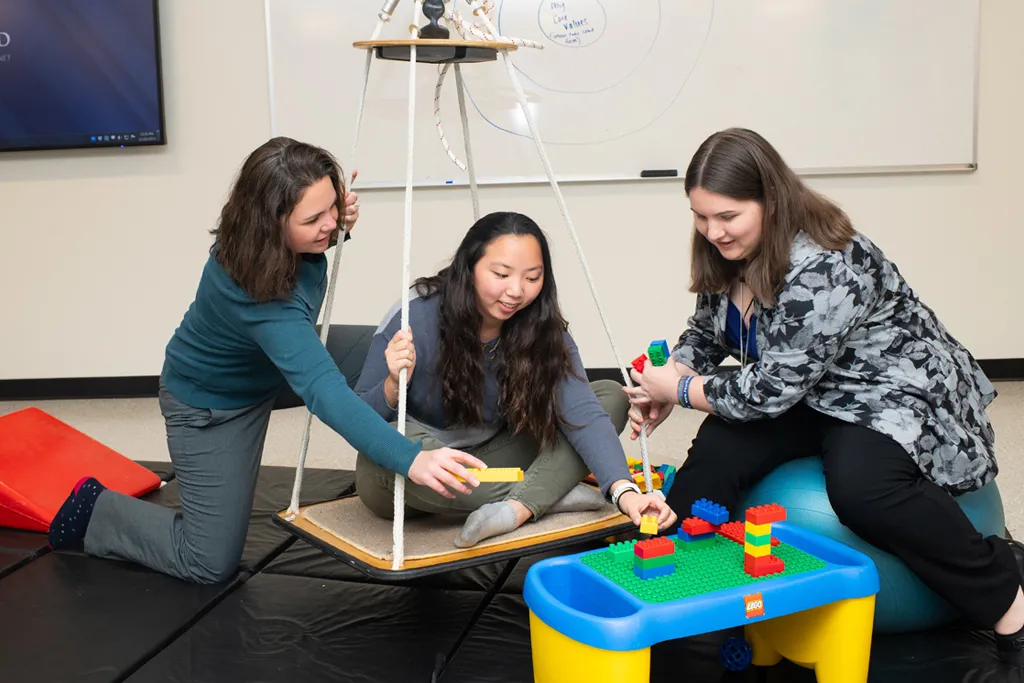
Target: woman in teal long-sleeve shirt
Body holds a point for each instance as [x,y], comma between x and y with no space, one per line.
[249,332]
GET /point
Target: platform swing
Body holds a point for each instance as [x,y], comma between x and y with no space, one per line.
[345,528]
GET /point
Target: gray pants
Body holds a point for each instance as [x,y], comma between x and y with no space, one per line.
[549,474]
[216,456]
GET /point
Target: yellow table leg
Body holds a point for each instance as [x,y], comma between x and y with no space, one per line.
[560,659]
[834,640]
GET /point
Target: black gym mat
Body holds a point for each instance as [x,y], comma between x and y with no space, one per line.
[70,618]
[12,559]
[266,540]
[284,629]
[106,618]
[18,548]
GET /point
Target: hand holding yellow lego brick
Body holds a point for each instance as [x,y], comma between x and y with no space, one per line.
[494,474]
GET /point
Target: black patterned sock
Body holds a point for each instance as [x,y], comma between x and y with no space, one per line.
[67,530]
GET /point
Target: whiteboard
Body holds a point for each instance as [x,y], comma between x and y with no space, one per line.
[623,86]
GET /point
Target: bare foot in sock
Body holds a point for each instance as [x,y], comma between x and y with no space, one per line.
[489,520]
[582,498]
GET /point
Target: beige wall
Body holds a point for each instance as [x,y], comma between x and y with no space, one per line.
[102,250]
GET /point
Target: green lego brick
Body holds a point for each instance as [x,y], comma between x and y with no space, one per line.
[689,546]
[658,353]
[759,540]
[698,571]
[622,550]
[651,563]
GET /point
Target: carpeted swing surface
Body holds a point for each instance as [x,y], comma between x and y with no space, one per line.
[347,529]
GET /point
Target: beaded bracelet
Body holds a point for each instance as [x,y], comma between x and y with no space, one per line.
[683,391]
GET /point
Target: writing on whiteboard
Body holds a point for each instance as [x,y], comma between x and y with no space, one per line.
[572,23]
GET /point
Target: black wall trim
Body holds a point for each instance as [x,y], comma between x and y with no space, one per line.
[78,387]
[998,369]
[1003,369]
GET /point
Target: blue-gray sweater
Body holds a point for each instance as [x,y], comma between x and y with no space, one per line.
[231,352]
[594,439]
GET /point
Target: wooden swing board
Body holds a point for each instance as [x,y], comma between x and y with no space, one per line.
[357,537]
[436,51]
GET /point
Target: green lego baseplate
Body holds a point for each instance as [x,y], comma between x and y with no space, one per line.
[698,572]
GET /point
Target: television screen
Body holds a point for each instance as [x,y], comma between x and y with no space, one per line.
[80,73]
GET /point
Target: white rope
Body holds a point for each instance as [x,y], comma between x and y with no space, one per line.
[487,32]
[398,529]
[469,148]
[437,118]
[477,30]
[325,328]
[521,95]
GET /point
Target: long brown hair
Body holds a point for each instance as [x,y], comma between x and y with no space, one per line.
[740,164]
[532,355]
[251,241]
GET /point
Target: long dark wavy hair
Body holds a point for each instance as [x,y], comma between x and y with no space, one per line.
[740,164]
[251,239]
[532,356]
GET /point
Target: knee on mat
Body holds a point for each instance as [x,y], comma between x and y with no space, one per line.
[214,570]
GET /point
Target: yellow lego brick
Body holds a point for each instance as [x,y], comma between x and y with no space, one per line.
[757,550]
[758,529]
[495,474]
[648,524]
[630,462]
[656,481]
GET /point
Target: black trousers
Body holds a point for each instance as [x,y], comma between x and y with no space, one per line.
[875,488]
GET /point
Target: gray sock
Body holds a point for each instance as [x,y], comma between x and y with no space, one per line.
[490,520]
[582,498]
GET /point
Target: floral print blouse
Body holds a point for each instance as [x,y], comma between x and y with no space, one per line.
[851,339]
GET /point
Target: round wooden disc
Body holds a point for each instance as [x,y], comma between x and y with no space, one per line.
[486,44]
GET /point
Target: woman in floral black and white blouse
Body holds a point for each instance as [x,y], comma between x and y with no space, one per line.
[839,358]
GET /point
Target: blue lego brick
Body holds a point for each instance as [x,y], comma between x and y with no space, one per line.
[708,511]
[655,572]
[687,538]
[667,482]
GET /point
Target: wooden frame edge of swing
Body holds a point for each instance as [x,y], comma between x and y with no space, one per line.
[434,42]
[458,559]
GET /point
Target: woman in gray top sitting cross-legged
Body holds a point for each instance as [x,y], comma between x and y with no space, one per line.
[494,371]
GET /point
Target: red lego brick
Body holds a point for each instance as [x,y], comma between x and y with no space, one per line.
[654,547]
[763,566]
[736,532]
[695,526]
[766,514]
[638,363]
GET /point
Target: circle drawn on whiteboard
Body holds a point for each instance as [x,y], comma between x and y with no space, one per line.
[572,23]
[587,87]
[616,47]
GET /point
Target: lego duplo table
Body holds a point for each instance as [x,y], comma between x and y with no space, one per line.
[592,619]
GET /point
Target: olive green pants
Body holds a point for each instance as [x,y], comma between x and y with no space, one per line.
[549,474]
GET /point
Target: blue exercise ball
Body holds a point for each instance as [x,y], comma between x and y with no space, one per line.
[903,602]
